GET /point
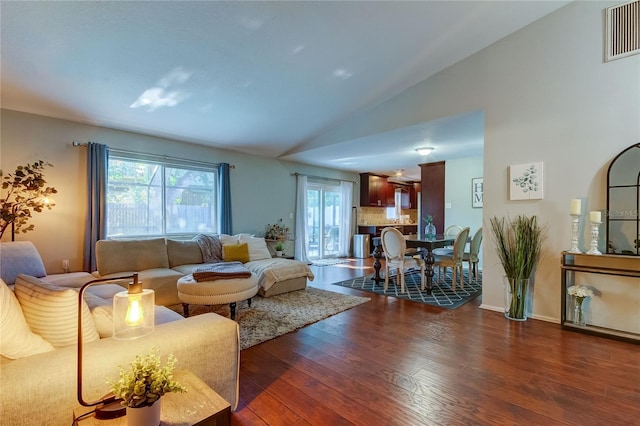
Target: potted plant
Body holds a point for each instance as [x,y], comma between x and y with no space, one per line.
[25,192]
[141,386]
[430,228]
[518,245]
[279,248]
[277,231]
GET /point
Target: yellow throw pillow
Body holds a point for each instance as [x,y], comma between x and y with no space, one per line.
[236,252]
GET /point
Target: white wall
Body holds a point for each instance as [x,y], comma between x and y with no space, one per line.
[547,96]
[263,189]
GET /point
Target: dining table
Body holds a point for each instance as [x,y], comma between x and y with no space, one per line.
[424,245]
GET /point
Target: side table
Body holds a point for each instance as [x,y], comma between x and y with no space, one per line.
[200,406]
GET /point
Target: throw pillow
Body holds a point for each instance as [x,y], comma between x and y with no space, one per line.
[52,311]
[258,249]
[102,312]
[236,252]
[228,239]
[16,339]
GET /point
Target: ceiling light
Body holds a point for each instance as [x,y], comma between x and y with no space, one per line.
[424,151]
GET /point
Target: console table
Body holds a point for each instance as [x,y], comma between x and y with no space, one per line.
[616,265]
[200,406]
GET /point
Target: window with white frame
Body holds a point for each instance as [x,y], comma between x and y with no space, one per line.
[147,197]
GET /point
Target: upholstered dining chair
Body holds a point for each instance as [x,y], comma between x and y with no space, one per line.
[451,231]
[472,255]
[454,261]
[395,247]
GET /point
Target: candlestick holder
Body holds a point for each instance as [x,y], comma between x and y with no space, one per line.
[575,218]
[594,238]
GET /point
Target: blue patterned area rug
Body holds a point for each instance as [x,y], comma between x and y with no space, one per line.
[442,295]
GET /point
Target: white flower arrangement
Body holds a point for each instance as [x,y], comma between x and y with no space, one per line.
[146,381]
[579,291]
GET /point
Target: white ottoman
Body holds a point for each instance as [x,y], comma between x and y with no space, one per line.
[218,292]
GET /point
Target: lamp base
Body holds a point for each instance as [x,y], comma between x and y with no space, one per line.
[110,410]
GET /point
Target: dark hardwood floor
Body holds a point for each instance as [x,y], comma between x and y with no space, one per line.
[394,362]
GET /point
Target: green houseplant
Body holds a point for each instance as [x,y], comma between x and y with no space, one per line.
[279,248]
[26,191]
[518,245]
[143,384]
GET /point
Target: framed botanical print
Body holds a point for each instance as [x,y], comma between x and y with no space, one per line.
[477,188]
[525,181]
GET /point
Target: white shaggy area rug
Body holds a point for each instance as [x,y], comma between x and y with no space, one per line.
[270,317]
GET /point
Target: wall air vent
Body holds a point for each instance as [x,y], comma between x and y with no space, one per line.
[623,30]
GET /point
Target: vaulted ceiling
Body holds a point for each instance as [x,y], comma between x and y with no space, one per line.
[260,77]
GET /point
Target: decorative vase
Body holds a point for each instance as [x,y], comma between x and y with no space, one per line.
[578,313]
[279,253]
[430,231]
[515,298]
[144,416]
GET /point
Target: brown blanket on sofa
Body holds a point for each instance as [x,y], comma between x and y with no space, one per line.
[220,271]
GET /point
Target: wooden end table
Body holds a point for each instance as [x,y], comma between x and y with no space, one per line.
[200,406]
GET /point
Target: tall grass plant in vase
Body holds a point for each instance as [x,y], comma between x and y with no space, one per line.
[519,246]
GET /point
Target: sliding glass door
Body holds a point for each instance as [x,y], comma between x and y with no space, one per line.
[324,224]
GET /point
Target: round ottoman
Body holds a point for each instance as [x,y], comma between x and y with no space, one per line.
[218,292]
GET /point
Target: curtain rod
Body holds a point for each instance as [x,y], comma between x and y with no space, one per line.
[322,177]
[162,157]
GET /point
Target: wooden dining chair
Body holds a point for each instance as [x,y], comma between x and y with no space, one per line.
[395,247]
[454,261]
[451,231]
[472,256]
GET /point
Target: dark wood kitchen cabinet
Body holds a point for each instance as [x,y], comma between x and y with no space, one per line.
[413,195]
[375,191]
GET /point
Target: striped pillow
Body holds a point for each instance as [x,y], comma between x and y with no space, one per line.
[52,311]
[16,339]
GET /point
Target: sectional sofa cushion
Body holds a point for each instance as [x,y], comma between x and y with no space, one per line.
[52,311]
[16,339]
[131,255]
[183,252]
[99,298]
[20,257]
[161,280]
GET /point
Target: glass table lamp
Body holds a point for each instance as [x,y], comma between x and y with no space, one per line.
[133,317]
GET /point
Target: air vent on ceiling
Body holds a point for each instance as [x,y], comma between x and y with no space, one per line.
[623,30]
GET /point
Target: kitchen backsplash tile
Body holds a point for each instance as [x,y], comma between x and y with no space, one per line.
[378,215]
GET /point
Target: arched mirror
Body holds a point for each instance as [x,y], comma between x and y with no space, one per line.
[623,203]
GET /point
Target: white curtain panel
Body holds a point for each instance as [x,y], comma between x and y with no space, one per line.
[346,194]
[302,236]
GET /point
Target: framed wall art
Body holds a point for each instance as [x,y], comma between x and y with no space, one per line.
[477,189]
[525,181]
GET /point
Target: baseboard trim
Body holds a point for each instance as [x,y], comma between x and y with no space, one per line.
[536,317]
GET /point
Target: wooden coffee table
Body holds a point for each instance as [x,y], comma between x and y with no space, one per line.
[200,405]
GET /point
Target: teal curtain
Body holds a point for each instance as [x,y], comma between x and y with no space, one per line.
[96,223]
[224,199]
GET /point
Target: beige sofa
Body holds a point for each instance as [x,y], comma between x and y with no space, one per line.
[161,262]
[38,376]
